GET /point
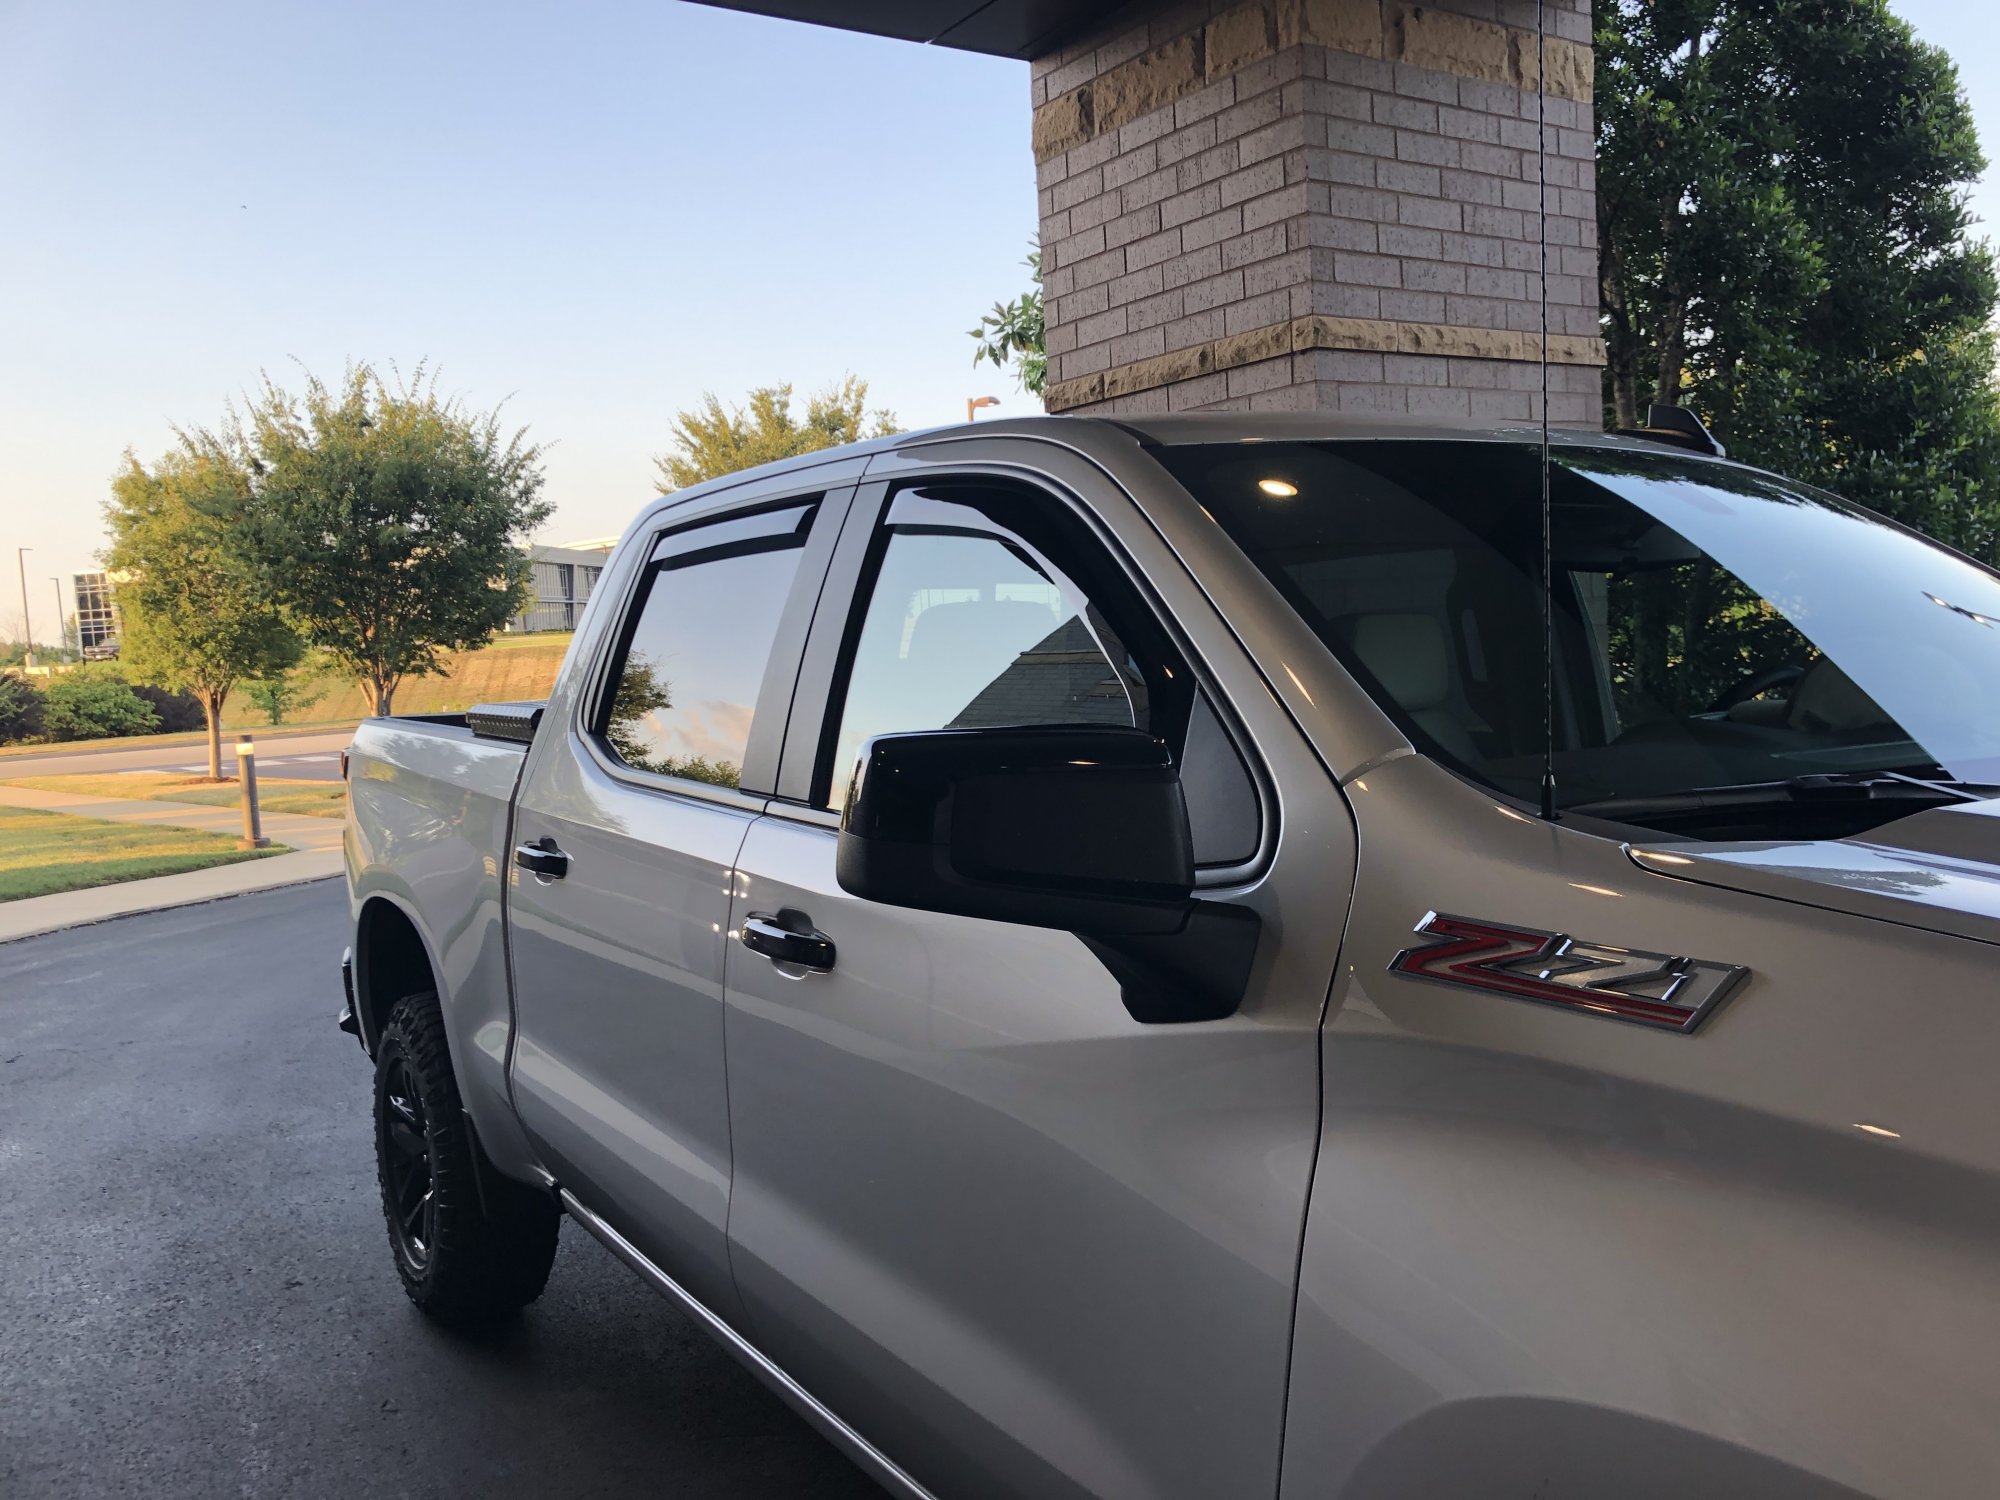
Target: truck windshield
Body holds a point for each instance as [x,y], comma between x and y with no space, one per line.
[1714,626]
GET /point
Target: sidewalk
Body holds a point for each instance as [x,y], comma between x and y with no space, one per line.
[315,842]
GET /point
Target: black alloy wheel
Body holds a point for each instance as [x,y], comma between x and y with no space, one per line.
[404,1147]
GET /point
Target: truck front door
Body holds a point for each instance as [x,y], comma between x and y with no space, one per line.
[1026,1244]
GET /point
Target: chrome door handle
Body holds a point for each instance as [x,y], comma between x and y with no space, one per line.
[542,858]
[788,937]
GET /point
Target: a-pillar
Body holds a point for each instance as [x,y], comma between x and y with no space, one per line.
[1295,205]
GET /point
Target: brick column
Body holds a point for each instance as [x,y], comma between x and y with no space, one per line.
[1294,205]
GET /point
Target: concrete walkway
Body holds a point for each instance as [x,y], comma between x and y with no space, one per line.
[315,844]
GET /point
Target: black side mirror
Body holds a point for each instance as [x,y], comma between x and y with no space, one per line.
[1085,830]
[1082,829]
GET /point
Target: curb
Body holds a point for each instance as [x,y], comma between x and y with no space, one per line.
[15,929]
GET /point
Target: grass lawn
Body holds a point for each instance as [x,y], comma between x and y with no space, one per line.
[43,852]
[316,799]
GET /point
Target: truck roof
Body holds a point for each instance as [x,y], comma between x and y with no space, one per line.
[1185,428]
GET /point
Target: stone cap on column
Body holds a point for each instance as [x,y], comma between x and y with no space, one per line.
[1395,31]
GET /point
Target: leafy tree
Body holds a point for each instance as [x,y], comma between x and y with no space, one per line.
[713,440]
[20,709]
[1783,247]
[388,521]
[196,616]
[76,707]
[284,694]
[1013,333]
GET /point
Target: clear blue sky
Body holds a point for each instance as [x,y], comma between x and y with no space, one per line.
[595,209]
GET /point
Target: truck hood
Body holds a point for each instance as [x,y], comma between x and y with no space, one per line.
[1938,869]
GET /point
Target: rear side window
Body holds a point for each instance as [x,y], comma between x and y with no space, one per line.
[697,643]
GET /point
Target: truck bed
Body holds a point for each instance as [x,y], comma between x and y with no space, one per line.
[429,826]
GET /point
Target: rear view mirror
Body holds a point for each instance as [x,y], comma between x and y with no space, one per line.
[1084,830]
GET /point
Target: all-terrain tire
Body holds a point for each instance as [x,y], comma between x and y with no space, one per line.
[463,1263]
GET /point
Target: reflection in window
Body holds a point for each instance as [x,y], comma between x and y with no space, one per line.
[969,628]
[688,681]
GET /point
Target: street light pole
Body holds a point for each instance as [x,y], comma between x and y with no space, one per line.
[62,636]
[973,404]
[27,625]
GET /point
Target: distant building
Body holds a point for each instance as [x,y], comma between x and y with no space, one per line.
[561,581]
[96,617]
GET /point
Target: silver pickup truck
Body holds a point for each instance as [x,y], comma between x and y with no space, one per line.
[1159,959]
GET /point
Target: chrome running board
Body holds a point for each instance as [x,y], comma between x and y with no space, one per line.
[853,1444]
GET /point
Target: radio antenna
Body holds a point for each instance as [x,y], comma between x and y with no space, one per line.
[1549,812]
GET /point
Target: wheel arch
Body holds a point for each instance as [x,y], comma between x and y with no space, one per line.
[391,959]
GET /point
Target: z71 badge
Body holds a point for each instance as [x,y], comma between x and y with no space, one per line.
[1653,989]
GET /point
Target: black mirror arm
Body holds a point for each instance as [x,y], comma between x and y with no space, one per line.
[1196,974]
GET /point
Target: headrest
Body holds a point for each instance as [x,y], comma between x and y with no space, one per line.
[1406,652]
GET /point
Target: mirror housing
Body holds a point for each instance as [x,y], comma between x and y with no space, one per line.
[1079,829]
[1083,830]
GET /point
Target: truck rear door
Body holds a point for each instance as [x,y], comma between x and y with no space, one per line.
[656,756]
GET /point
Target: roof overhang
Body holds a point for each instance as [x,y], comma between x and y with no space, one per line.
[1000,28]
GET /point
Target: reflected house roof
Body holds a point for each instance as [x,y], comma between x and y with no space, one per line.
[1000,28]
[1063,678]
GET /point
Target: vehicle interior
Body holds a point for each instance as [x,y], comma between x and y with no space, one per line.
[1682,699]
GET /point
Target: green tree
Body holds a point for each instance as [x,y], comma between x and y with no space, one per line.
[389,521]
[1784,248]
[283,694]
[197,618]
[1014,334]
[713,440]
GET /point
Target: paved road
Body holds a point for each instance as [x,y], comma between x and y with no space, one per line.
[196,1296]
[304,757]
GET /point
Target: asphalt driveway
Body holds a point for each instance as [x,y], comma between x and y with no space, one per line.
[196,1296]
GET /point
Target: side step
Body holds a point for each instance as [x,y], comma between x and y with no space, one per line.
[877,1463]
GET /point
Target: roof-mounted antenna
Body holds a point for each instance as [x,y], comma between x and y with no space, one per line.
[1549,812]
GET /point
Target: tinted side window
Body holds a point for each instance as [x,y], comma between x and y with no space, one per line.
[988,608]
[970,627]
[697,644]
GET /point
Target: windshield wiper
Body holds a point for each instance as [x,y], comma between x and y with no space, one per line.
[1815,790]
